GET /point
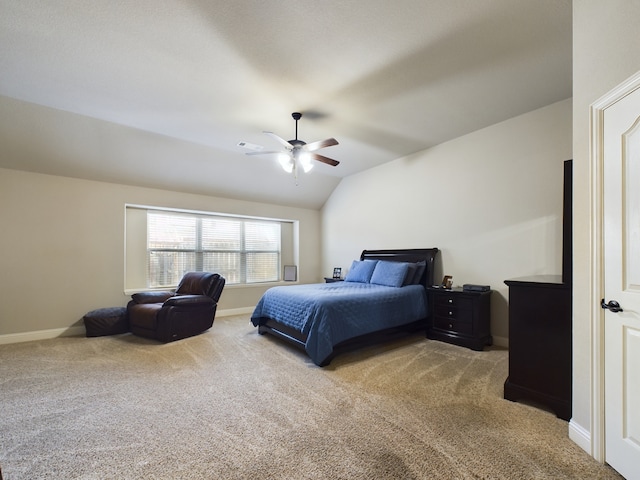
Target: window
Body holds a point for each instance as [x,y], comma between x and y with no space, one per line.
[243,250]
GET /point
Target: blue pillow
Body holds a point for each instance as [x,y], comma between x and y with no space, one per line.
[361,271]
[419,272]
[391,274]
[411,272]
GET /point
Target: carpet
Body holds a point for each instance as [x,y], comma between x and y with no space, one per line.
[232,404]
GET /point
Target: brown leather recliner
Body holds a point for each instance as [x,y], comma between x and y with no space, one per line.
[169,316]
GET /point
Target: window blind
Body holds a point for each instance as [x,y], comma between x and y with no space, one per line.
[241,250]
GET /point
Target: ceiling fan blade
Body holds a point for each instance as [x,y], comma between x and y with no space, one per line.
[279,140]
[250,146]
[329,142]
[323,159]
[269,152]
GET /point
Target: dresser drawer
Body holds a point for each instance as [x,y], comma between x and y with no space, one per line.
[453,325]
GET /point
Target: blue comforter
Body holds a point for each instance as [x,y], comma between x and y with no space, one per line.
[330,313]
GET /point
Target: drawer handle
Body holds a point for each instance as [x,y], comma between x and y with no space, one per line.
[450,326]
[450,313]
[451,300]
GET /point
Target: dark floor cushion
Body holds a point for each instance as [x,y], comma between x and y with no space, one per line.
[106,321]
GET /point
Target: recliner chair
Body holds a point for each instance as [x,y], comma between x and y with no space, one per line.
[168,316]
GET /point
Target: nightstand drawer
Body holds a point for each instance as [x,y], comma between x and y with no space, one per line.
[453,325]
[453,300]
[454,313]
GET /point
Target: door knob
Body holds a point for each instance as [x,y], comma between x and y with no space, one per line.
[612,306]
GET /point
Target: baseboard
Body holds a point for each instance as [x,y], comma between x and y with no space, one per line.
[80,330]
[501,342]
[235,311]
[42,335]
[580,436]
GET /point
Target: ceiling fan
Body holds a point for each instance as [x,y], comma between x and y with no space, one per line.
[297,153]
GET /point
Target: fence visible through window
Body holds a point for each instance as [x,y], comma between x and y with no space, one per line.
[244,251]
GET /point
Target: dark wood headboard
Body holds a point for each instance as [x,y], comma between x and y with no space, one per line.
[412,255]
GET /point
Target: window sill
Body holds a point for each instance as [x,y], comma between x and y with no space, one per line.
[233,286]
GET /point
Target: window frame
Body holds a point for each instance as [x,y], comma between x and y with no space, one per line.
[133,281]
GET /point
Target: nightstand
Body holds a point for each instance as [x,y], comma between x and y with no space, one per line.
[460,317]
[331,280]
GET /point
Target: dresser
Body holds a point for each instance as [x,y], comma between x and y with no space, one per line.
[540,342]
[460,317]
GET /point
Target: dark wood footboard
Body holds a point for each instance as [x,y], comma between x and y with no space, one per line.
[286,333]
[295,338]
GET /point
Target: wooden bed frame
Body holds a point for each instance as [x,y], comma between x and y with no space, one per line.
[428,255]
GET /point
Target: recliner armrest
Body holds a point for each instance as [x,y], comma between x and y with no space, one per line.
[185,300]
[151,297]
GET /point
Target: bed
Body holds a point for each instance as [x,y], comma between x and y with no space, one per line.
[383,292]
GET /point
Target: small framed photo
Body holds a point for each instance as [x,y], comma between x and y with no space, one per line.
[290,273]
[337,272]
[447,281]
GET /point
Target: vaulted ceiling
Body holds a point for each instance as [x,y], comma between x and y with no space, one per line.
[160,93]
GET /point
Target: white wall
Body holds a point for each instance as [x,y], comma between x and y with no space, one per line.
[605,53]
[491,201]
[62,246]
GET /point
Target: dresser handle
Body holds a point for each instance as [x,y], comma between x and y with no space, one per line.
[450,327]
[450,313]
[451,300]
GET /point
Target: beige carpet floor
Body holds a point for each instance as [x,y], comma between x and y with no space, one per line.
[231,404]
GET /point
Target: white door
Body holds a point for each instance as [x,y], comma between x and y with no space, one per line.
[621,162]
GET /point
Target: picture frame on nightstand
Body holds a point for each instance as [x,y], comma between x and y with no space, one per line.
[337,272]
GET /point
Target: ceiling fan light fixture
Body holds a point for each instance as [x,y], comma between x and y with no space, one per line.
[286,162]
[305,161]
[298,154]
